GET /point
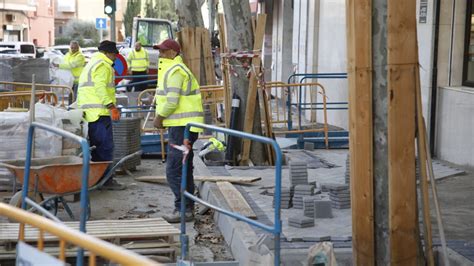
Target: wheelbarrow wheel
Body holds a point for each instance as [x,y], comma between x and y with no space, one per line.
[16,199]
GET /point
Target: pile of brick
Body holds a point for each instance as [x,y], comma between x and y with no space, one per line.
[340,196]
[301,222]
[285,201]
[298,174]
[300,192]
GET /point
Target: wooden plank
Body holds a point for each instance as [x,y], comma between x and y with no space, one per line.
[236,201]
[104,229]
[225,70]
[231,179]
[252,92]
[359,37]
[421,144]
[208,59]
[402,61]
[267,131]
[191,50]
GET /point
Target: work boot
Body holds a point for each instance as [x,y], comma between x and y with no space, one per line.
[176,218]
[112,184]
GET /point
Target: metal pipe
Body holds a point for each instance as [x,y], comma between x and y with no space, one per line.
[276,229]
[42,210]
[434,80]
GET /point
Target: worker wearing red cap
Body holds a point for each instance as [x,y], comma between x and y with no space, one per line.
[178,102]
[96,96]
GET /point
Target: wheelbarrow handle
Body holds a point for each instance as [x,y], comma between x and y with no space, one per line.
[111,170]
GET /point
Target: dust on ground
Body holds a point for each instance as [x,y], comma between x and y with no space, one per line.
[147,200]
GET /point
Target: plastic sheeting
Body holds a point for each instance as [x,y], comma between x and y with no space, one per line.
[14,131]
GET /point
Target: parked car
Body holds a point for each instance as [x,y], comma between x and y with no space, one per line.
[88,52]
[25,49]
[62,48]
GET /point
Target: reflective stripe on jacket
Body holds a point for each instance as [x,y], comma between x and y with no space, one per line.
[96,87]
[178,97]
[74,62]
[138,60]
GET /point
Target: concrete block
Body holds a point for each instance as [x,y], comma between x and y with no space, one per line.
[323,209]
[301,225]
[300,220]
[309,146]
[316,238]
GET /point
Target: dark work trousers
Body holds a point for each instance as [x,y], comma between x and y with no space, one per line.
[74,91]
[174,166]
[101,136]
[138,87]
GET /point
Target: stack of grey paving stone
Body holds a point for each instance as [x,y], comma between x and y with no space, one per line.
[308,206]
[322,208]
[348,170]
[340,196]
[301,222]
[285,202]
[300,192]
[298,174]
[127,141]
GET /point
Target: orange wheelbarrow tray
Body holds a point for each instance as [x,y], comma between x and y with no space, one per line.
[56,175]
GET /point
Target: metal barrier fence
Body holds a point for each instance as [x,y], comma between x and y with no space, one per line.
[66,91]
[85,175]
[305,76]
[282,112]
[276,229]
[21,99]
[66,235]
[212,95]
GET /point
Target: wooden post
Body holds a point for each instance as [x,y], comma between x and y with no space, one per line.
[382,59]
[252,93]
[402,60]
[359,47]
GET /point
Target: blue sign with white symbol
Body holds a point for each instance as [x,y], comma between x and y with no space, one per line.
[101,23]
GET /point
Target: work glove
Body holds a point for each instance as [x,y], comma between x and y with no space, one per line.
[158,122]
[114,113]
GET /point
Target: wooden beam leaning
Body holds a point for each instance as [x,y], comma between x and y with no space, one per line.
[422,158]
[225,70]
[359,47]
[252,93]
[402,61]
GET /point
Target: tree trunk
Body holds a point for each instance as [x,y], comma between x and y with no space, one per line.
[240,38]
[189,13]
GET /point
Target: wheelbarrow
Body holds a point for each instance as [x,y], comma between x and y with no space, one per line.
[58,177]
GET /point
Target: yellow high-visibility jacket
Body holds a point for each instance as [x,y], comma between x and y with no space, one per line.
[96,87]
[74,62]
[138,61]
[178,97]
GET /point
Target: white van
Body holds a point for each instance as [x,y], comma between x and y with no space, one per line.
[26,49]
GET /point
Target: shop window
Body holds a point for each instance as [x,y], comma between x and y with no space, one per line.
[468,67]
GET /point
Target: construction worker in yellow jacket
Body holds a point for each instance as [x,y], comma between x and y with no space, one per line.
[178,102]
[138,63]
[74,61]
[96,96]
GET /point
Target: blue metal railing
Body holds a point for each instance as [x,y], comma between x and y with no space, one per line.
[304,106]
[276,229]
[85,173]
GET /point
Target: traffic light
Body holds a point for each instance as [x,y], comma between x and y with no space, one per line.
[109,7]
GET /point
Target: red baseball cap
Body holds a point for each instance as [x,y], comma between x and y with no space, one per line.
[168,44]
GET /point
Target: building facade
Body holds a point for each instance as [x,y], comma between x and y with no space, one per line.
[42,23]
[446,55]
[14,20]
